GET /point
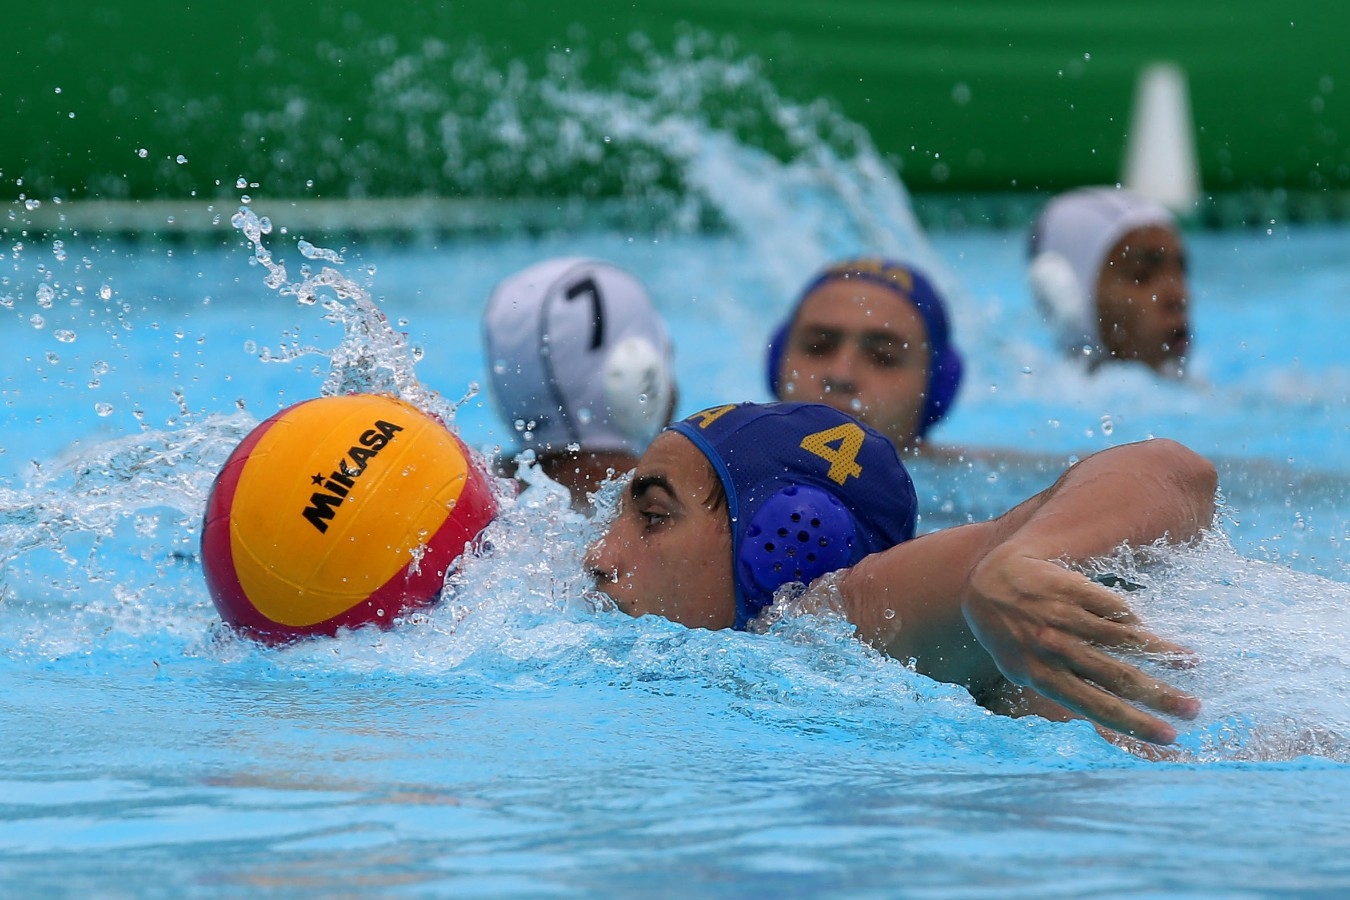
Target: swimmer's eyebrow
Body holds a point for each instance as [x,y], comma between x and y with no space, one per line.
[886,339]
[642,484]
[871,336]
[1153,256]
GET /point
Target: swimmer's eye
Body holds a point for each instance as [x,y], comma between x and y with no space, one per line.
[819,345]
[1144,274]
[888,359]
[894,354]
[652,518]
[1156,265]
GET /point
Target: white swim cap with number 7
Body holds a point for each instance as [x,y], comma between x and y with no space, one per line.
[578,357]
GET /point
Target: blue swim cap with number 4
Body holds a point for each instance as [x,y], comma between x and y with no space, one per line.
[809,490]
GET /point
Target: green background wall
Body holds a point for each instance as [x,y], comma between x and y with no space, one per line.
[996,95]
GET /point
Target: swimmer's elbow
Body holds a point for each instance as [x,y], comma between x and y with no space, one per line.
[1188,468]
[1193,479]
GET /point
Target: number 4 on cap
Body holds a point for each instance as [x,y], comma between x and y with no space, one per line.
[843,459]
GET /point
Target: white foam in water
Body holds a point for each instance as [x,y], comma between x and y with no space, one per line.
[522,714]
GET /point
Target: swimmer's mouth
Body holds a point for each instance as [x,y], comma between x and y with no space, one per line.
[1179,343]
[844,403]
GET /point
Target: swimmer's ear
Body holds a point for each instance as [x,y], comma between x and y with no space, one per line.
[799,534]
[640,389]
[1057,291]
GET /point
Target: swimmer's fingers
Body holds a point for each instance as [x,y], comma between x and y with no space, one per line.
[1130,683]
[1102,688]
[1099,600]
[1075,665]
[1053,630]
[1108,622]
[1133,638]
[1106,710]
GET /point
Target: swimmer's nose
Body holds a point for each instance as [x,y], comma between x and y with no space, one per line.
[1174,293]
[598,567]
[602,576]
[1176,315]
[841,374]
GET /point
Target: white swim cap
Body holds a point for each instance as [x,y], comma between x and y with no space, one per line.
[578,356]
[1069,244]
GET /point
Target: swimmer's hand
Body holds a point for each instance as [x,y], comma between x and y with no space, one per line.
[1051,630]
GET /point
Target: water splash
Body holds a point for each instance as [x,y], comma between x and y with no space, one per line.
[1273,661]
[105,539]
[686,137]
[372,357]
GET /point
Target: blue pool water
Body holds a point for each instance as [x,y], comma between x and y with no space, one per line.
[516,741]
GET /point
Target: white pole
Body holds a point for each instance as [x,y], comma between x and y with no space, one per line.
[1160,160]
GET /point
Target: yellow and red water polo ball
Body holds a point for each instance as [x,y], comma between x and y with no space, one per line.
[339,512]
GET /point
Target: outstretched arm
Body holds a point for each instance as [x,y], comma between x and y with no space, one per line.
[980,603]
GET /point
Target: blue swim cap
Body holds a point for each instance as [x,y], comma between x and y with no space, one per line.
[809,490]
[911,285]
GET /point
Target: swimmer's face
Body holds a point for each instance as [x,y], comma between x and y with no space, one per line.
[1143,300]
[858,347]
[668,550]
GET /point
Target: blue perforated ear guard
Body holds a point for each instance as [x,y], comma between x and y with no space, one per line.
[809,490]
[799,534]
[944,362]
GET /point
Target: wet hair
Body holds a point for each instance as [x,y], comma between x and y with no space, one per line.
[717,497]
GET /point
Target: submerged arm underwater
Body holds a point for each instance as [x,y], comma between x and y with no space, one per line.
[992,605]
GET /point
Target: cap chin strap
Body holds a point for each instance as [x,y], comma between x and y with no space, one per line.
[639,388]
[799,534]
